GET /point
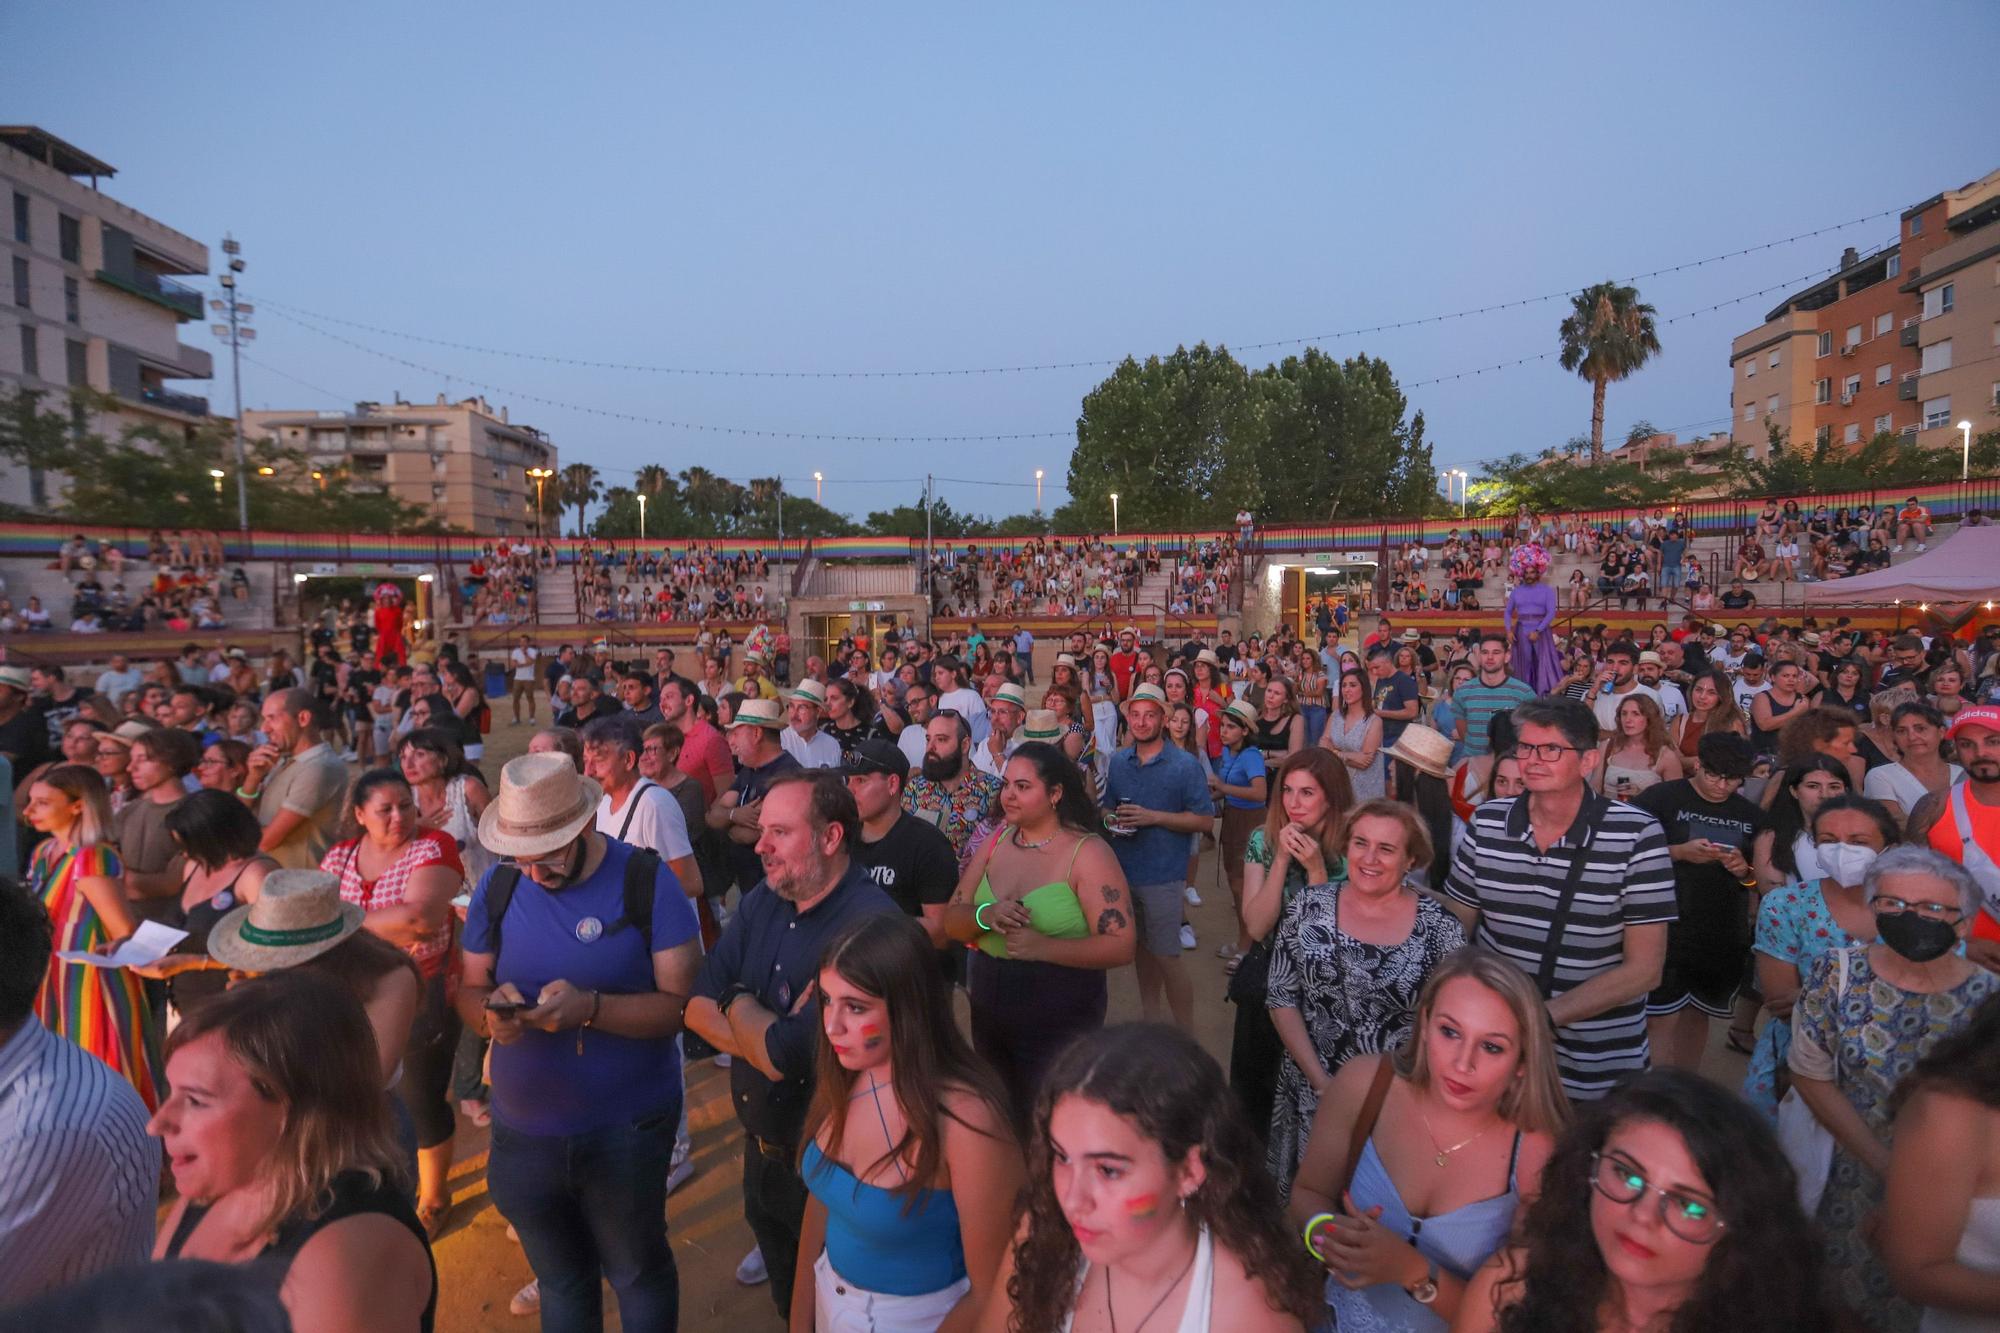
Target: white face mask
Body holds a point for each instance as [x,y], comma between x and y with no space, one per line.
[1846,863]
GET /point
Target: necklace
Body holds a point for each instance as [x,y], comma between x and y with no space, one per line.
[1443,1152]
[1173,1286]
[1034,846]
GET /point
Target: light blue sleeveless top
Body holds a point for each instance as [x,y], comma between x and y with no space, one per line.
[1459,1241]
[873,1242]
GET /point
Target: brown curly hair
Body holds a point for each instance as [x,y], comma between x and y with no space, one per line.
[1172,1090]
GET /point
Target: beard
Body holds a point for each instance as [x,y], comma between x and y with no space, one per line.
[943,768]
[806,879]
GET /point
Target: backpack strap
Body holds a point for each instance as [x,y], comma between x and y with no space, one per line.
[499,894]
[642,871]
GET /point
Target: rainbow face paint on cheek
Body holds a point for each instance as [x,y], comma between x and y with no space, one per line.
[871,1036]
[1143,1206]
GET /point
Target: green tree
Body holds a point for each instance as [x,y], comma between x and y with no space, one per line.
[1332,440]
[1171,437]
[579,487]
[1608,334]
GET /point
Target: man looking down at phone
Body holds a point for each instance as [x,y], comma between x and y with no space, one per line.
[580,953]
[1709,826]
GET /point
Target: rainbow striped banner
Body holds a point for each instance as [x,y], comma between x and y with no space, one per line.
[1947,501]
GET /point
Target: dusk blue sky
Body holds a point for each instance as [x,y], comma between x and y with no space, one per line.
[822,187]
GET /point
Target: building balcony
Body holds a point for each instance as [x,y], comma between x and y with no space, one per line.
[1909,334]
[190,404]
[1906,388]
[178,297]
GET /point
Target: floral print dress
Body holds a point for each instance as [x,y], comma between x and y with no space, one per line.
[1354,998]
[1865,1040]
[1794,925]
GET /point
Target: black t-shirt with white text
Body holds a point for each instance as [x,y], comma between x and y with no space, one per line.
[1713,922]
[913,863]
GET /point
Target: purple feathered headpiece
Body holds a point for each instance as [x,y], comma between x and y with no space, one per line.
[1528,559]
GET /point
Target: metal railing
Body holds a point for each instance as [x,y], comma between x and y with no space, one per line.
[192,404]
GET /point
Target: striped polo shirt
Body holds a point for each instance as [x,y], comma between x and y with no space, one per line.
[1627,880]
[79,1177]
[1477,702]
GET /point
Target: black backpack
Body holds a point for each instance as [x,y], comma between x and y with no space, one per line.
[642,868]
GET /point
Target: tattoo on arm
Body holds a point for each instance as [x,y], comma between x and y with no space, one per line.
[1110,919]
[1111,893]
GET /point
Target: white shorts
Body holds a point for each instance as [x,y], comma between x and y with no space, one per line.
[841,1307]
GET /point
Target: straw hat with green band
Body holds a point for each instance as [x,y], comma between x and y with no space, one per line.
[1241,713]
[1010,693]
[1042,725]
[297,917]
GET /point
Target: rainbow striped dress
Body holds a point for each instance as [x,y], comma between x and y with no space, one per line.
[101,1009]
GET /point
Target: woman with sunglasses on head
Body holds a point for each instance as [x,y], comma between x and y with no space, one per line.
[909,1151]
[1666,1208]
[1146,1206]
[1865,1016]
[1453,1130]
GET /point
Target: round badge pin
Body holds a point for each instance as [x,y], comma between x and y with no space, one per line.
[589,930]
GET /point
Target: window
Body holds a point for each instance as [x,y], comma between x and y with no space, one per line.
[1774,358]
[1937,412]
[1825,344]
[1850,433]
[76,358]
[1996,333]
[1823,436]
[31,352]
[1850,386]
[1937,357]
[1917,225]
[1853,335]
[1882,373]
[1938,301]
[72,301]
[69,237]
[1882,424]
[1883,324]
[1750,368]
[1771,403]
[1823,391]
[21,283]
[20,217]
[1895,266]
[1749,411]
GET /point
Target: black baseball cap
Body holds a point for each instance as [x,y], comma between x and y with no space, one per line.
[876,756]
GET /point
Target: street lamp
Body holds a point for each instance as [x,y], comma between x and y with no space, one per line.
[1965,469]
[817,479]
[1114,513]
[216,473]
[1463,477]
[235,333]
[539,475]
[1038,490]
[642,516]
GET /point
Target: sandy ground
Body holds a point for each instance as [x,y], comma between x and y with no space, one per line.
[479,1269]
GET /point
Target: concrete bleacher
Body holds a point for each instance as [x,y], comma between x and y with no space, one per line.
[30,576]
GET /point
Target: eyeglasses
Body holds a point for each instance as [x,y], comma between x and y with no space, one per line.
[1548,754]
[1688,1216]
[1935,911]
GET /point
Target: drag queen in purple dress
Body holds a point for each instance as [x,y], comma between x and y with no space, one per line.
[1531,618]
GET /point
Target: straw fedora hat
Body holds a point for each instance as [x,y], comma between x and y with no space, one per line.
[766,713]
[543,803]
[1208,655]
[1066,659]
[1042,725]
[16,677]
[1423,749]
[297,917]
[1010,693]
[809,691]
[1241,713]
[1148,694]
[127,733]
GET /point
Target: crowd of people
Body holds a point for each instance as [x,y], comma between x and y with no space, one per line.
[628,581]
[1085,578]
[181,585]
[1494,953]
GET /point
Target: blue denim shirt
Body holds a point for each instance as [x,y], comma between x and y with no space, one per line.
[1171,782]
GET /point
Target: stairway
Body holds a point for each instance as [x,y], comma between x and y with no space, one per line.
[555,596]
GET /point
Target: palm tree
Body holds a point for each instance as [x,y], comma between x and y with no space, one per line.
[1609,334]
[652,481]
[579,488]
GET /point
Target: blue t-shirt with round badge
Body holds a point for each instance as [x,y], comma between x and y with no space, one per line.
[541,1085]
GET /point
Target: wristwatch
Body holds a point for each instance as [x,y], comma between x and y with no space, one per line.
[1426,1291]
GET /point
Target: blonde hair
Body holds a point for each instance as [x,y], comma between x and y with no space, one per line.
[1534,1102]
[79,783]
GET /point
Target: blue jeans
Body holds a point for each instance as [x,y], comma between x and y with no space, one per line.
[588,1206]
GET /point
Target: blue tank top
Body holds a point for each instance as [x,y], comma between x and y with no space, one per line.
[874,1243]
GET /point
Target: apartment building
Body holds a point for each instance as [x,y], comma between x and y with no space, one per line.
[1957,288]
[463,462]
[1844,359]
[91,298]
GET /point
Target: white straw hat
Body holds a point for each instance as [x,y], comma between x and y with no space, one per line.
[543,804]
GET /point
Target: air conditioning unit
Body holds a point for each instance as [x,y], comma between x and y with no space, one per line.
[1846,398]
[1849,349]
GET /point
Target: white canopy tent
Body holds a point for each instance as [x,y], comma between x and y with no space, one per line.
[1964,568]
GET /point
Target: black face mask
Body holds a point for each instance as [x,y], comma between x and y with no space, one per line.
[1917,938]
